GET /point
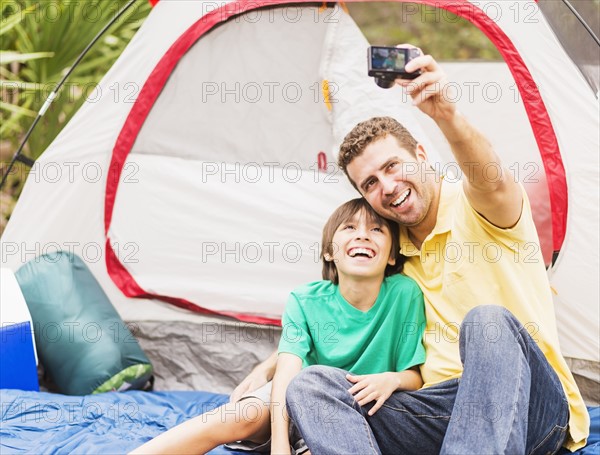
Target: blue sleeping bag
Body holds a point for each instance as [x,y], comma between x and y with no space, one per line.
[108,423]
[38,422]
[593,442]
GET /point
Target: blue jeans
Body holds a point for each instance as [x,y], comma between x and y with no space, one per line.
[509,400]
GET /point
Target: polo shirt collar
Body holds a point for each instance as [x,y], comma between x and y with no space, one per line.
[445,218]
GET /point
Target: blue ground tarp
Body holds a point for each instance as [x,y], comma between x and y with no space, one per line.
[38,422]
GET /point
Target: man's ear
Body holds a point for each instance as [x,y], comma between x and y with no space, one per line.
[421,153]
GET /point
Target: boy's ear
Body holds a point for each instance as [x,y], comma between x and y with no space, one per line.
[392,259]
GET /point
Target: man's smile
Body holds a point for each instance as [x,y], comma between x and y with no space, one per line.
[401,199]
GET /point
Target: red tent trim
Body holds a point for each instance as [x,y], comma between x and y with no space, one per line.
[534,106]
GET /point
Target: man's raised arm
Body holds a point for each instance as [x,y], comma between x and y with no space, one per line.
[489,187]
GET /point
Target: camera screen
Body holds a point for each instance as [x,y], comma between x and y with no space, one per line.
[388,59]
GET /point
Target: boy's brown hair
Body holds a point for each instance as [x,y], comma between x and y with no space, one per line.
[343,214]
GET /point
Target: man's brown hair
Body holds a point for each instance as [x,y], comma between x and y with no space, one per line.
[345,213]
[366,132]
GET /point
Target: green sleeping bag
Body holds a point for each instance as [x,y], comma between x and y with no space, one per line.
[81,340]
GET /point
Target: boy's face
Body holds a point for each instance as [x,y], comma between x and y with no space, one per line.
[361,248]
[393,181]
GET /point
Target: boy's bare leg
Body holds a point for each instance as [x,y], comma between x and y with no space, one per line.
[244,420]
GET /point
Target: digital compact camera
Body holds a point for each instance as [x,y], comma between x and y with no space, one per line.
[386,64]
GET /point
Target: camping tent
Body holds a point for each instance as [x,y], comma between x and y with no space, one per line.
[198,174]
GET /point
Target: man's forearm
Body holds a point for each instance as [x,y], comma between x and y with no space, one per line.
[473,152]
[489,187]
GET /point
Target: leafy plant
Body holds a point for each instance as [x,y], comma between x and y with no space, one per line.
[40,41]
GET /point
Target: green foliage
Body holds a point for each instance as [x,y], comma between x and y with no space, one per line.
[40,41]
[435,30]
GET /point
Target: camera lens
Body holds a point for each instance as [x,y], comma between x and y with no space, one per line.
[384,82]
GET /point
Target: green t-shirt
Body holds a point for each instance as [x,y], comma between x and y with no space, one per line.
[322,328]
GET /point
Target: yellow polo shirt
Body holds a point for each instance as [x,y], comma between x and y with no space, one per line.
[466,262]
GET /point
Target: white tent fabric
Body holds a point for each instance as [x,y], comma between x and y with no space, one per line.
[245,152]
[221,201]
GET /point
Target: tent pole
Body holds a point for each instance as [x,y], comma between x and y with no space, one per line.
[582,21]
[52,96]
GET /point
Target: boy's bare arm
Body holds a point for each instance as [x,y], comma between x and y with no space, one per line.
[259,376]
[288,366]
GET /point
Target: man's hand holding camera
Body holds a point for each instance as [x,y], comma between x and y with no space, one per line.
[429,91]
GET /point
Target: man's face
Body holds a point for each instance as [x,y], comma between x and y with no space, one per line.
[393,181]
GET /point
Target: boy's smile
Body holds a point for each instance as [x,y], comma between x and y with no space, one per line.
[361,248]
[361,252]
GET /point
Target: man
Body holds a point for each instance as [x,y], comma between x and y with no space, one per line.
[495,381]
